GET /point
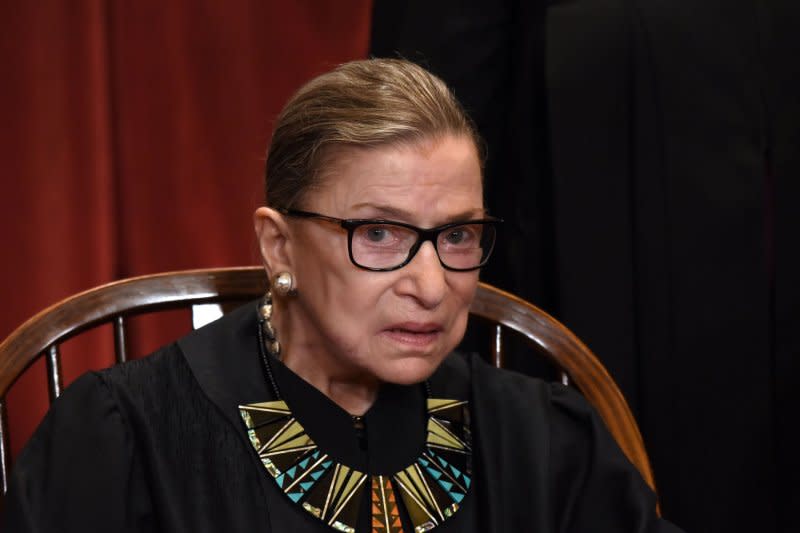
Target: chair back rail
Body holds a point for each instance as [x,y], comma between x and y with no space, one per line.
[42,334]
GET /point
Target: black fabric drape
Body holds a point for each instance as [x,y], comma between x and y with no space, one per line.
[778,38]
[645,156]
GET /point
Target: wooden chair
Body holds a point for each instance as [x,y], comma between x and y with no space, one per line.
[207,291]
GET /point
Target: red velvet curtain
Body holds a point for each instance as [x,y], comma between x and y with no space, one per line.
[133,142]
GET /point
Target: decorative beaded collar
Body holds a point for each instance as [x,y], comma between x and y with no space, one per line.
[431,488]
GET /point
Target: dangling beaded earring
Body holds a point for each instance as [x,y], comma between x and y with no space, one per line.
[283,285]
[270,338]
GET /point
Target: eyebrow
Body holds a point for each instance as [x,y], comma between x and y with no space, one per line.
[401,215]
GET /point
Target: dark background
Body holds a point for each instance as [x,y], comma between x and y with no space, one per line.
[644,154]
[646,157]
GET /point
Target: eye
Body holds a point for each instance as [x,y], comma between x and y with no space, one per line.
[461,236]
[455,236]
[383,235]
[377,233]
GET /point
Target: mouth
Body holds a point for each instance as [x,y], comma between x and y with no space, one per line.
[414,334]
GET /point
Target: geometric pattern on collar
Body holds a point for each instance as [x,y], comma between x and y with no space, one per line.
[431,487]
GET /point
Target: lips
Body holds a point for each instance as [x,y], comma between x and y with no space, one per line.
[414,334]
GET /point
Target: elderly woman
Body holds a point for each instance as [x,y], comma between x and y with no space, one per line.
[336,403]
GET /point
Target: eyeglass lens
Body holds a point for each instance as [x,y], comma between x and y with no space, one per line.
[384,246]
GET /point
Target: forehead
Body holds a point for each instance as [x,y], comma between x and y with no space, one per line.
[423,182]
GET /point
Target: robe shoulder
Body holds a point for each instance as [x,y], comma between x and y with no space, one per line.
[78,472]
[548,442]
[137,447]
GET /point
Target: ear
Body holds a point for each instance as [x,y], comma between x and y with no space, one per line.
[274,240]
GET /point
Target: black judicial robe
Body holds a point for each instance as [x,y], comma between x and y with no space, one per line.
[158,445]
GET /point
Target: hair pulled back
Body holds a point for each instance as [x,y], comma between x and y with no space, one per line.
[366,103]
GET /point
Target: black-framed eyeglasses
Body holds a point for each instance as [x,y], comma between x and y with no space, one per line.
[383,245]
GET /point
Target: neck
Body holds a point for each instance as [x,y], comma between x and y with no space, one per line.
[353,395]
[351,389]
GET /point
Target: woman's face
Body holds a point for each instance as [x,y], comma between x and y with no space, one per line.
[393,326]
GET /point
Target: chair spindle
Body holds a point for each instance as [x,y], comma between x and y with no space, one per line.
[497,347]
[53,372]
[120,344]
[5,445]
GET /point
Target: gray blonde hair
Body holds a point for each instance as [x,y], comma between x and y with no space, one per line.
[366,103]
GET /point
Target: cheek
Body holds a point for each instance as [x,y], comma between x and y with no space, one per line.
[462,322]
[324,271]
[463,286]
[352,303]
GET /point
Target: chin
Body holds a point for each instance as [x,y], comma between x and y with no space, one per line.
[411,370]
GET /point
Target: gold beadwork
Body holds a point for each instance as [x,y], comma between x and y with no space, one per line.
[269,330]
[274,349]
[271,341]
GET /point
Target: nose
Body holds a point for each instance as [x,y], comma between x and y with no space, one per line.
[424,277]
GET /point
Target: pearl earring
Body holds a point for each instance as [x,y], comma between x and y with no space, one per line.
[283,284]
